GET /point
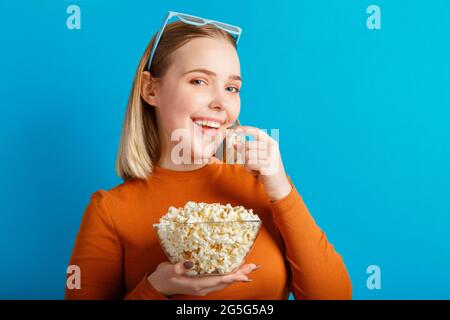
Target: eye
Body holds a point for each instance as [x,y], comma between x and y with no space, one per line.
[237,90]
[195,81]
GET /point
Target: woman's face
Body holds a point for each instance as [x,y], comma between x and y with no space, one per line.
[184,97]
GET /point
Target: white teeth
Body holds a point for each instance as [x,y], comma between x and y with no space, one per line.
[208,123]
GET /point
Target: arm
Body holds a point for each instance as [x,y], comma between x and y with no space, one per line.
[317,270]
[99,255]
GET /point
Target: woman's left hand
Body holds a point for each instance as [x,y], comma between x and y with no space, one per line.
[263,156]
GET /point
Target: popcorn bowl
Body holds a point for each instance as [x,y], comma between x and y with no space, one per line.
[215,247]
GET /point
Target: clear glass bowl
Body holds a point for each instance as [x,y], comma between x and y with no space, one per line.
[216,248]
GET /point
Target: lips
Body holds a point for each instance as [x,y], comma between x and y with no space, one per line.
[206,122]
[209,126]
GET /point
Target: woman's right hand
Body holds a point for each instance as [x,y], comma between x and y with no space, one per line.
[170,279]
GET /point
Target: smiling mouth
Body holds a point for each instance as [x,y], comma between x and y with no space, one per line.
[207,124]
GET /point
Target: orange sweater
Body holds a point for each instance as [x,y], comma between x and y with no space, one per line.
[116,246]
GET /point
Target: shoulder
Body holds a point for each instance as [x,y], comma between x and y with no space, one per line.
[122,193]
[111,206]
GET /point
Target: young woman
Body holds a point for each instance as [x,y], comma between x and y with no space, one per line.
[194,76]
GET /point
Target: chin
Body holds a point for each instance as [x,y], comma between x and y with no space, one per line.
[206,152]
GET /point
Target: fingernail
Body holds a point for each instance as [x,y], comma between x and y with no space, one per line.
[257,267]
[188,264]
[247,280]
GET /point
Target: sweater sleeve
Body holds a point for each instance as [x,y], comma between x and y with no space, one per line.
[317,270]
[99,256]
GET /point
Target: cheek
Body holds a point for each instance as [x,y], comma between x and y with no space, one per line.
[179,108]
[235,111]
[190,105]
[188,102]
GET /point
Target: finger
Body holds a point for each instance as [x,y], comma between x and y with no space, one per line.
[237,275]
[261,153]
[242,270]
[265,166]
[204,282]
[222,286]
[255,149]
[256,159]
[199,283]
[183,266]
[246,269]
[238,267]
[252,167]
[257,133]
[258,152]
[208,284]
[257,145]
[219,287]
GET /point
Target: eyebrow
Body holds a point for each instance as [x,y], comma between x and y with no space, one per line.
[212,73]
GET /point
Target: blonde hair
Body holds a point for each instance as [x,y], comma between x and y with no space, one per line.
[139,148]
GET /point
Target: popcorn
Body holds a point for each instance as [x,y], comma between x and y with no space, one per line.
[235,138]
[216,237]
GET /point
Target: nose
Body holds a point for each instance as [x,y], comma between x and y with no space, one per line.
[219,101]
[224,104]
[218,104]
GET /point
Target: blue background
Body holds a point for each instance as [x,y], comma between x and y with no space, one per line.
[363,115]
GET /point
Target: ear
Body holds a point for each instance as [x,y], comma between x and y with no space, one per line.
[148,89]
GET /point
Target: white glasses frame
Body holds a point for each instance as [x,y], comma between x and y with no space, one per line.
[235,31]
